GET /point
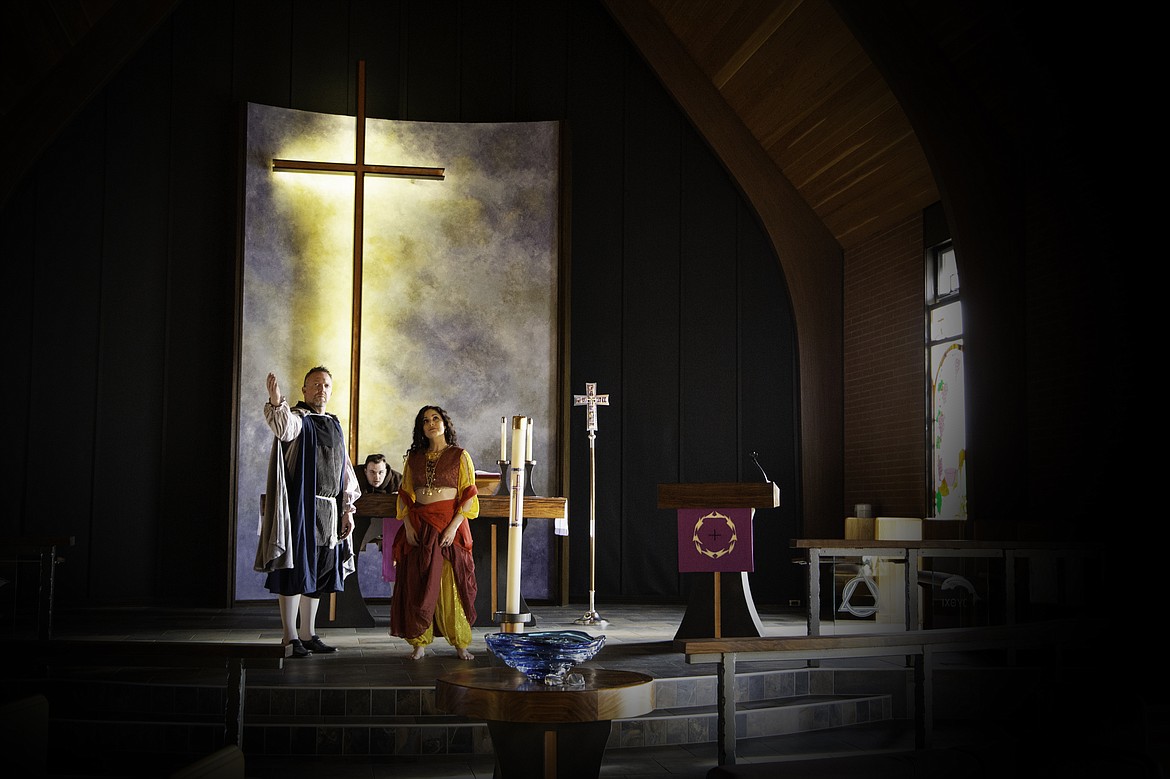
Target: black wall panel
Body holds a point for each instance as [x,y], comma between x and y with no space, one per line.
[709,378]
[650,343]
[596,85]
[66,316]
[486,63]
[320,58]
[431,72]
[540,50]
[376,36]
[18,251]
[262,35]
[132,328]
[200,294]
[768,414]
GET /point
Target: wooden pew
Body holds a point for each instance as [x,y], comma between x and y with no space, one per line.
[920,645]
[235,657]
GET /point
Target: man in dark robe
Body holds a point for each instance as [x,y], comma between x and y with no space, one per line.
[305,545]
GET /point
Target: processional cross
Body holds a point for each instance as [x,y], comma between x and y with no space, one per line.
[360,169]
[591,400]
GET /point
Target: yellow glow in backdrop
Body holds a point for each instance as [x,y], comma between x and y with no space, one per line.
[459,288]
[320,210]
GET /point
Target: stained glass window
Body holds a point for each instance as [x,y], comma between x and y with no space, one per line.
[948,428]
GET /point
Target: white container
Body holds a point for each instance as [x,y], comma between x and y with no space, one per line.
[898,528]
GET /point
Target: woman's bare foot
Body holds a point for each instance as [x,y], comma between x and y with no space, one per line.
[462,653]
[418,653]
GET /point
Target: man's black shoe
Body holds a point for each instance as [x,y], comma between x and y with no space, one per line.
[298,649]
[317,645]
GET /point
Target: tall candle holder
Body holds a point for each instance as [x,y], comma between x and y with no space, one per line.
[510,617]
[504,490]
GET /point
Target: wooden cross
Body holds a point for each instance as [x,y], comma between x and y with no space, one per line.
[591,400]
[360,169]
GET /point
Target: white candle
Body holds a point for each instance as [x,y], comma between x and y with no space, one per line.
[519,432]
[528,441]
[503,438]
[516,515]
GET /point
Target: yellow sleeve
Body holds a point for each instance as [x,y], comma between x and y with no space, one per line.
[467,479]
[407,486]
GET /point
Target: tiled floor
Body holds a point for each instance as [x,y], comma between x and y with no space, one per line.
[638,637]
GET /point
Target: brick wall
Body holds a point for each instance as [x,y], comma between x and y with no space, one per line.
[885,390]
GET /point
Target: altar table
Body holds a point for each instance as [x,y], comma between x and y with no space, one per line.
[490,559]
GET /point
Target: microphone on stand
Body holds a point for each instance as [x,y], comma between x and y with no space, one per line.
[755,458]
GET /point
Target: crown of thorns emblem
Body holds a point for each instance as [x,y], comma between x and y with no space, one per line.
[714,538]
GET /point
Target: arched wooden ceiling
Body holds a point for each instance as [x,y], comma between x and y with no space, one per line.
[806,91]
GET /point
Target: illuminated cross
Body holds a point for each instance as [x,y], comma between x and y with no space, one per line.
[591,400]
[360,169]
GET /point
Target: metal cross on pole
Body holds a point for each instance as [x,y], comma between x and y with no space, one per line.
[591,400]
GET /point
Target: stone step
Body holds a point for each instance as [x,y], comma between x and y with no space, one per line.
[314,735]
[176,722]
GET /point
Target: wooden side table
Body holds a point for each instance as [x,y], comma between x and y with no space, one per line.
[542,731]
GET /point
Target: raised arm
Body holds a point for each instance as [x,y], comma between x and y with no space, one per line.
[284,424]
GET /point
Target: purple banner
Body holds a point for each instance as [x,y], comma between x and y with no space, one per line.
[715,540]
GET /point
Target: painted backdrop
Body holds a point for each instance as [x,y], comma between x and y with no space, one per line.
[459,295]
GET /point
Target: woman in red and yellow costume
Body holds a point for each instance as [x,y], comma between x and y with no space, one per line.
[432,551]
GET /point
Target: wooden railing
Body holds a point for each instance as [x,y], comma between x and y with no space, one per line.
[919,645]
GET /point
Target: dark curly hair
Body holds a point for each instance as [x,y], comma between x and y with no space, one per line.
[419,443]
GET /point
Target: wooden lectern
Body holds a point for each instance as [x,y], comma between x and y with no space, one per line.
[720,604]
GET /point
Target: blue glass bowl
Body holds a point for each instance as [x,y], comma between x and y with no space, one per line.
[544,656]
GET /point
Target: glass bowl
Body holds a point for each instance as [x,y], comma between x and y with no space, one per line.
[544,656]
